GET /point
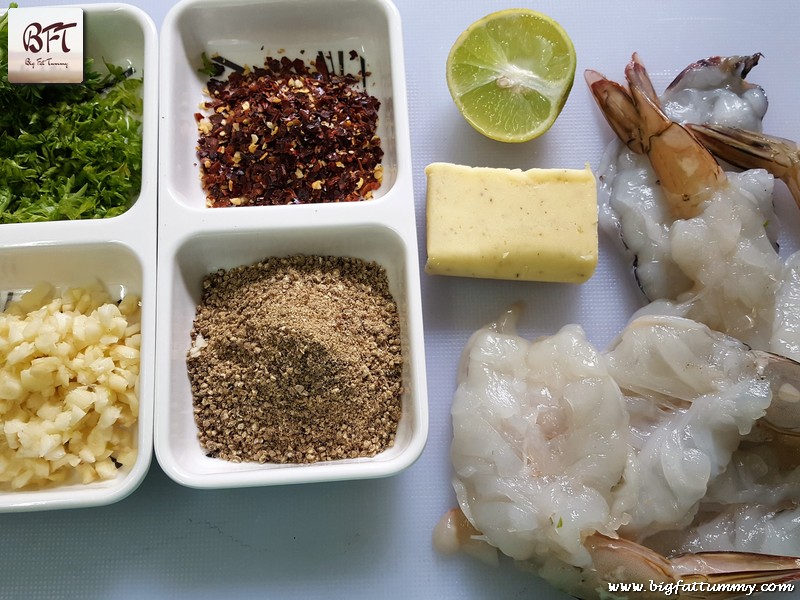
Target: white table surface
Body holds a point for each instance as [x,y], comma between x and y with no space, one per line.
[372,539]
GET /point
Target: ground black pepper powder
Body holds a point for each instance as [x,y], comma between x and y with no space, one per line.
[296,360]
[288,133]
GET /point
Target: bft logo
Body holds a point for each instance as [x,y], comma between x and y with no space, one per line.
[37,38]
[45,45]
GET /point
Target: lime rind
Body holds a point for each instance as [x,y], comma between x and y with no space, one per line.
[510,74]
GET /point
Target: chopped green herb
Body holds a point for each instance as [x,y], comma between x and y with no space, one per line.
[560,523]
[209,67]
[68,151]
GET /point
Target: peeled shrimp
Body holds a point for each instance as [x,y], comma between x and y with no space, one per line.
[751,507]
[709,390]
[570,460]
[537,448]
[703,240]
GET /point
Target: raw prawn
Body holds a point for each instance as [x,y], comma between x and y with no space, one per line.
[512,407]
[703,240]
[751,507]
[570,460]
[749,149]
[706,392]
[637,118]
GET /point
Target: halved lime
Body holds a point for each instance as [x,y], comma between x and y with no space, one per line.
[510,74]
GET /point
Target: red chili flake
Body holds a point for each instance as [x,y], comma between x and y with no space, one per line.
[288,133]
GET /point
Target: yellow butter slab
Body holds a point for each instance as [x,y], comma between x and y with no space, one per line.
[535,225]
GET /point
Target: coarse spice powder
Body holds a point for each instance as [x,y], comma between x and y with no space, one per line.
[296,360]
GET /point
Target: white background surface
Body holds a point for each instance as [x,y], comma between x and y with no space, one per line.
[371,539]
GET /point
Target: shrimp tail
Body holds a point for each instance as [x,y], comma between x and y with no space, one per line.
[455,533]
[752,150]
[726,569]
[645,98]
[696,576]
[618,108]
[687,171]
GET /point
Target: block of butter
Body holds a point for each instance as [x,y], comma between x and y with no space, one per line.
[535,225]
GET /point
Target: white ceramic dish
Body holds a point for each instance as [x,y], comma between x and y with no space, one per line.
[120,251]
[195,240]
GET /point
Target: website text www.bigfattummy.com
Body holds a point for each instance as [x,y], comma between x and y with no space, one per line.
[682,587]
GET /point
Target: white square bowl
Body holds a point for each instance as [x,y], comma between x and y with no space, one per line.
[125,36]
[177,443]
[120,251]
[246,32]
[195,240]
[120,269]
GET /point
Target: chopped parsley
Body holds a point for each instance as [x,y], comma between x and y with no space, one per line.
[68,151]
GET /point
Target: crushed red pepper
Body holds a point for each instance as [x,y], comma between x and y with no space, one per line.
[288,133]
